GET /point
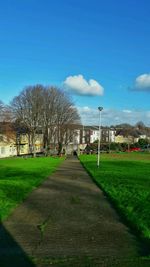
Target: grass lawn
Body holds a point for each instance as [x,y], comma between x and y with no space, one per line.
[18,177]
[125,177]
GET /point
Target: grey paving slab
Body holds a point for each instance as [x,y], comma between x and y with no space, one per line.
[67,217]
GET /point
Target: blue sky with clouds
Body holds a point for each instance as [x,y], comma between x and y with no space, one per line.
[97,50]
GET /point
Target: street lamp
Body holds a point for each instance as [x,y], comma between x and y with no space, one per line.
[99,139]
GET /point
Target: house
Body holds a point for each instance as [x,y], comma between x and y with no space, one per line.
[90,134]
[7,147]
[7,141]
[123,139]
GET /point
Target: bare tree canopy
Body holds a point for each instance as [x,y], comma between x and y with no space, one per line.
[140,125]
[1,104]
[27,109]
[27,106]
[1,110]
[45,108]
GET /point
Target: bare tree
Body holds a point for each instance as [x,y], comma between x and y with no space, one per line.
[66,116]
[9,129]
[49,117]
[1,104]
[59,116]
[27,108]
[140,125]
[1,110]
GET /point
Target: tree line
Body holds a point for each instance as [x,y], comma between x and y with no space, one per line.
[42,109]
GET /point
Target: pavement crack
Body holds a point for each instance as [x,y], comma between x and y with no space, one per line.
[42,227]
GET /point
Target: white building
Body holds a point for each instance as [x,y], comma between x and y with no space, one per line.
[90,134]
[7,147]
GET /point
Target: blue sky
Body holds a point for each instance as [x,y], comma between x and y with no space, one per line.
[70,42]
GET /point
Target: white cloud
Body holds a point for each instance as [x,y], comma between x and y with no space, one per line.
[86,109]
[78,85]
[127,111]
[142,83]
[90,116]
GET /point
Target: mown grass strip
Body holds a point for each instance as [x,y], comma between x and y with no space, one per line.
[89,261]
[126,179]
[18,177]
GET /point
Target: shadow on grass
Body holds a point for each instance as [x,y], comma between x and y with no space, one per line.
[11,254]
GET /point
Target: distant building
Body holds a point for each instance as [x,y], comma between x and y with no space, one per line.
[7,147]
[90,134]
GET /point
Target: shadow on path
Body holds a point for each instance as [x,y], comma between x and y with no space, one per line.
[11,253]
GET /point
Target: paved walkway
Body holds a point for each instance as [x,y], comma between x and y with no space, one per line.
[67,221]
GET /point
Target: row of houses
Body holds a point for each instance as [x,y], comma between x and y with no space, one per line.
[10,147]
[18,144]
[90,134]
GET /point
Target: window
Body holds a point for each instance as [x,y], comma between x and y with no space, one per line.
[23,138]
[21,148]
[2,150]
[88,139]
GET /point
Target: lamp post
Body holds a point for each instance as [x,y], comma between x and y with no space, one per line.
[99,141]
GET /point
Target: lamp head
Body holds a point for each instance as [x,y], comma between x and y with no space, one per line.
[100,108]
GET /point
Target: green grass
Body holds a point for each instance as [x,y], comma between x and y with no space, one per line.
[89,261]
[18,177]
[125,177]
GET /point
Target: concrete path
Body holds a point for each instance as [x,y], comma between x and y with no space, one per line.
[67,222]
